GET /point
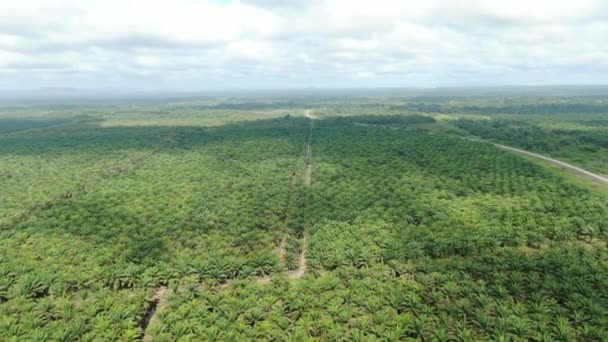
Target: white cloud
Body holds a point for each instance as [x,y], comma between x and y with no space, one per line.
[147,61]
[191,45]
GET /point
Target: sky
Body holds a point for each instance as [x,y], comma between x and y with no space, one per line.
[197,45]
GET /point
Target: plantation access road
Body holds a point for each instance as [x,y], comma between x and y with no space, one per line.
[282,251]
[298,273]
[158,303]
[569,167]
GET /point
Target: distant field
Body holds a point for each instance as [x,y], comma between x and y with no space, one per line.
[244,220]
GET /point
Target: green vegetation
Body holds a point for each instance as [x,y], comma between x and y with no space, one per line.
[407,231]
[584,143]
[547,295]
[89,209]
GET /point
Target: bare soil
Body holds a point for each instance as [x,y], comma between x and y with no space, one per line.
[307,181]
[159,301]
[296,274]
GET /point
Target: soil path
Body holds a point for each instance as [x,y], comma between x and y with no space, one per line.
[295,274]
[159,301]
[282,250]
[263,280]
[308,169]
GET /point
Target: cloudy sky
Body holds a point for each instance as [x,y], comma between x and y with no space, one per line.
[191,45]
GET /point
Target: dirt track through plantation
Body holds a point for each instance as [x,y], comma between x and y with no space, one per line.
[308,169]
[295,274]
[158,303]
[159,300]
[282,250]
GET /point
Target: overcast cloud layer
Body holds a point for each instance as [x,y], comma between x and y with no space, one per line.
[189,45]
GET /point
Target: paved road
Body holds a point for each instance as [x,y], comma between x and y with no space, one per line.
[577,170]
